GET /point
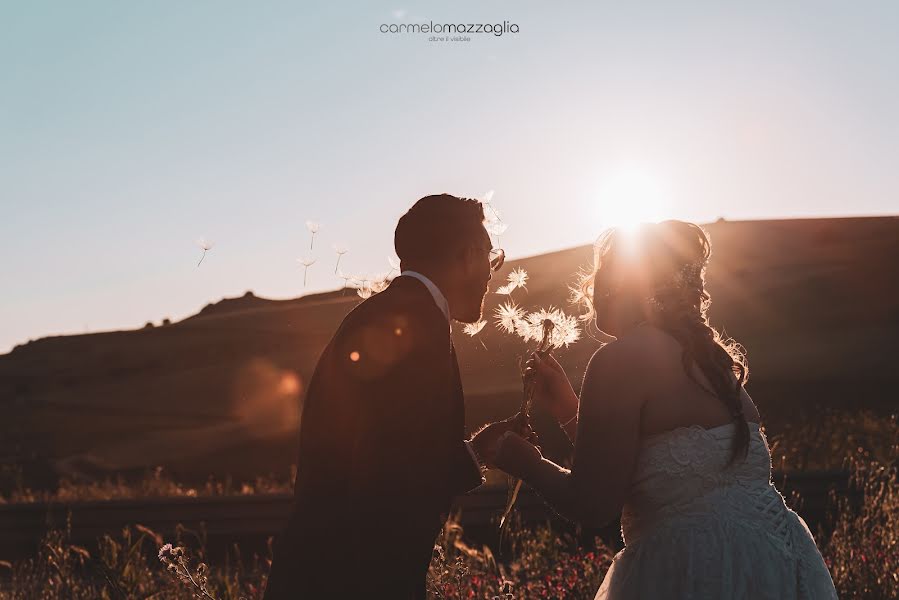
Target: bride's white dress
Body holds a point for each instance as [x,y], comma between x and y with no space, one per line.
[695,529]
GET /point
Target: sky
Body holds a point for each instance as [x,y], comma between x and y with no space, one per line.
[129,130]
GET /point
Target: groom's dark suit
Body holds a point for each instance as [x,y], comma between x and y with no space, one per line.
[381,454]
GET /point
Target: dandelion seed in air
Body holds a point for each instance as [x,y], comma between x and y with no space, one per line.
[205,245]
[313,228]
[379,283]
[346,278]
[505,290]
[575,294]
[394,265]
[518,278]
[507,315]
[473,329]
[306,262]
[340,250]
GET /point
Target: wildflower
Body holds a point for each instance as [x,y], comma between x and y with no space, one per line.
[473,329]
[205,245]
[507,315]
[165,553]
[505,290]
[313,228]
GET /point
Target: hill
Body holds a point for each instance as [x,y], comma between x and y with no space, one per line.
[815,302]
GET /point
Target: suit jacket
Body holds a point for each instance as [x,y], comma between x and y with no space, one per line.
[381,454]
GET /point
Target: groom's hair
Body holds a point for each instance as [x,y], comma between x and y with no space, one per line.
[437,227]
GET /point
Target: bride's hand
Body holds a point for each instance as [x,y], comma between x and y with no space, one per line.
[552,390]
[515,455]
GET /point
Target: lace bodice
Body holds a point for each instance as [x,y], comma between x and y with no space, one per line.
[684,472]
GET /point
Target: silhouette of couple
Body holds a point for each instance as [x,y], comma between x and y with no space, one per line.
[664,433]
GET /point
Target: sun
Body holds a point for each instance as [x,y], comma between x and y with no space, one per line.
[630,196]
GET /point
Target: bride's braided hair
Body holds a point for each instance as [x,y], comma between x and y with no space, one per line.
[669,260]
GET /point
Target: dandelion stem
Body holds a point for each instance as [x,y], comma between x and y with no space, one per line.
[339,256]
[526,402]
[202,257]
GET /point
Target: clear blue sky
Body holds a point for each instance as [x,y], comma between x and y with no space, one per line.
[130,129]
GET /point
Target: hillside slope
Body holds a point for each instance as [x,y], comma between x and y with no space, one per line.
[815,303]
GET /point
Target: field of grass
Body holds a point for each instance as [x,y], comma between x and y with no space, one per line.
[860,541]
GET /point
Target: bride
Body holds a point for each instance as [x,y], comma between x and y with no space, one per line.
[666,436]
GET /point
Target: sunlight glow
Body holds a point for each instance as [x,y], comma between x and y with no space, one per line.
[630,196]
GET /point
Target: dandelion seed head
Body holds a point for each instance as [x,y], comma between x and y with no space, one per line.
[340,249]
[507,315]
[473,329]
[364,292]
[565,329]
[313,226]
[518,278]
[306,261]
[505,290]
[488,197]
[205,244]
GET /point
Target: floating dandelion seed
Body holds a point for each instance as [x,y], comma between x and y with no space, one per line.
[205,245]
[306,262]
[518,278]
[340,250]
[576,294]
[394,264]
[346,278]
[313,228]
[473,329]
[379,283]
[505,290]
[508,315]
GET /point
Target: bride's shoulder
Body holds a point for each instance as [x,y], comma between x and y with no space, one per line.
[644,347]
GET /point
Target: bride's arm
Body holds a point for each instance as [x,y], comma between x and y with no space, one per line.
[605,444]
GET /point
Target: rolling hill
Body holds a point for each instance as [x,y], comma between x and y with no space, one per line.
[815,302]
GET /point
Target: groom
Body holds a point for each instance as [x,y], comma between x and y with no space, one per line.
[382,446]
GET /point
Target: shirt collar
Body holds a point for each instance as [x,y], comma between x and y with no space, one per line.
[438,296]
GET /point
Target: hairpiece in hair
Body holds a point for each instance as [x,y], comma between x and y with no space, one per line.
[689,276]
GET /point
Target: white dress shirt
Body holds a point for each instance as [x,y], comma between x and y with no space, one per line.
[443,305]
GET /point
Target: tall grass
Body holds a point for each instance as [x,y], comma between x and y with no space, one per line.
[861,546]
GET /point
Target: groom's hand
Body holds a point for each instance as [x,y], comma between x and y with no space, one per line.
[486,440]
